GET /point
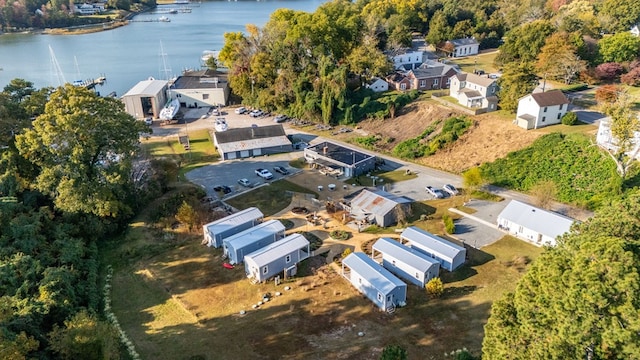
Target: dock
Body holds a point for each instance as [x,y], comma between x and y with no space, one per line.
[91,83]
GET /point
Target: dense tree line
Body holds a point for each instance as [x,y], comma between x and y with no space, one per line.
[578,300]
[65,184]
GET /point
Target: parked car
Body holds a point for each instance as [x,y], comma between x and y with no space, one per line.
[222,188]
[451,189]
[214,112]
[148,121]
[280,118]
[264,173]
[256,113]
[244,182]
[281,170]
[240,110]
[436,193]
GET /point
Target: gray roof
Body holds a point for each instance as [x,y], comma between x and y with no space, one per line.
[471,94]
[253,234]
[378,202]
[149,87]
[241,217]
[277,250]
[409,256]
[251,138]
[425,240]
[431,71]
[465,41]
[205,79]
[339,153]
[483,81]
[550,98]
[380,278]
[542,221]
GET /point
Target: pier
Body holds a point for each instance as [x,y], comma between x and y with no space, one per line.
[91,83]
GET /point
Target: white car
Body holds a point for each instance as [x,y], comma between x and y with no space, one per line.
[280,118]
[450,189]
[256,113]
[436,193]
[244,182]
[264,173]
[240,110]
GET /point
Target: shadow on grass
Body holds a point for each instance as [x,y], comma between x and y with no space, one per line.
[475,257]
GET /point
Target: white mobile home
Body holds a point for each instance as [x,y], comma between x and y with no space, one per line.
[407,263]
[537,226]
[374,281]
[215,231]
[252,239]
[278,257]
[449,255]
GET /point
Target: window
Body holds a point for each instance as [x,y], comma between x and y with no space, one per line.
[545,109]
[287,259]
[205,96]
[560,108]
[544,118]
[265,269]
[435,81]
[417,276]
[423,83]
[380,297]
[403,86]
[393,262]
[559,114]
[448,81]
[520,229]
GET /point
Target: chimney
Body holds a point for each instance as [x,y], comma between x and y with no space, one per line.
[325,149]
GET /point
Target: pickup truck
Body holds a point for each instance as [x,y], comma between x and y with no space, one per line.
[264,173]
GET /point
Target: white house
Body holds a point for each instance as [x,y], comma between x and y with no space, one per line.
[541,109]
[537,226]
[408,58]
[374,281]
[377,85]
[474,91]
[449,255]
[405,262]
[464,47]
[605,139]
[88,9]
[279,257]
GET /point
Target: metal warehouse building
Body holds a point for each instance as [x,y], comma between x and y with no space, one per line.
[251,141]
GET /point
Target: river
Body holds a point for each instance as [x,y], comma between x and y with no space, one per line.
[132,53]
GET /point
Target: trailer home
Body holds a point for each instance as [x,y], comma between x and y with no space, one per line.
[405,262]
[252,239]
[280,257]
[449,255]
[215,232]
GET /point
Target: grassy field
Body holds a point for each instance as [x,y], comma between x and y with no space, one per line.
[479,62]
[270,198]
[388,177]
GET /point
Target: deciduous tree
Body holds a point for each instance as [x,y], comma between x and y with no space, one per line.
[434,287]
[517,80]
[624,127]
[619,47]
[558,59]
[523,43]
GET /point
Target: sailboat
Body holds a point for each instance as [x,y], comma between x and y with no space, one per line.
[171,108]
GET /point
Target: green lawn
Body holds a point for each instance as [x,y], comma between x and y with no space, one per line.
[569,129]
[389,177]
[479,62]
[270,199]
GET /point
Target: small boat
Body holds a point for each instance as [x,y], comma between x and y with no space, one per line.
[208,54]
[170,110]
[221,125]
[164,19]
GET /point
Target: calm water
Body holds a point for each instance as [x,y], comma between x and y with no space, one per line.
[132,53]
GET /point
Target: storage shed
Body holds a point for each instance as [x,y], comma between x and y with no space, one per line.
[449,255]
[252,239]
[407,263]
[537,226]
[374,281]
[278,257]
[215,231]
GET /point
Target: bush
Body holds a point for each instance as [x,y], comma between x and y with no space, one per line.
[632,78]
[608,94]
[346,252]
[449,226]
[339,234]
[434,287]
[394,352]
[609,71]
[569,118]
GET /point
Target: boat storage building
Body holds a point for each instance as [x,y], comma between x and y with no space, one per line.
[252,239]
[215,232]
[449,255]
[374,281]
[407,263]
[280,256]
[146,98]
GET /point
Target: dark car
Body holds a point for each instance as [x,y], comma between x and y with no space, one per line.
[280,170]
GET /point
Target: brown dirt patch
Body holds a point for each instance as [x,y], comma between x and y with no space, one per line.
[493,136]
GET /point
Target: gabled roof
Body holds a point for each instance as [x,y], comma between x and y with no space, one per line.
[377,202]
[241,217]
[380,278]
[149,87]
[471,94]
[374,79]
[436,244]
[430,71]
[542,221]
[465,41]
[251,138]
[255,233]
[278,249]
[475,79]
[409,256]
[550,98]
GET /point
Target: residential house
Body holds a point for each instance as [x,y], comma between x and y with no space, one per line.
[88,9]
[399,80]
[374,281]
[203,88]
[251,141]
[474,91]
[405,262]
[215,232]
[377,85]
[537,226]
[605,139]
[464,47]
[339,160]
[254,238]
[279,257]
[378,207]
[406,59]
[449,255]
[431,75]
[541,109]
